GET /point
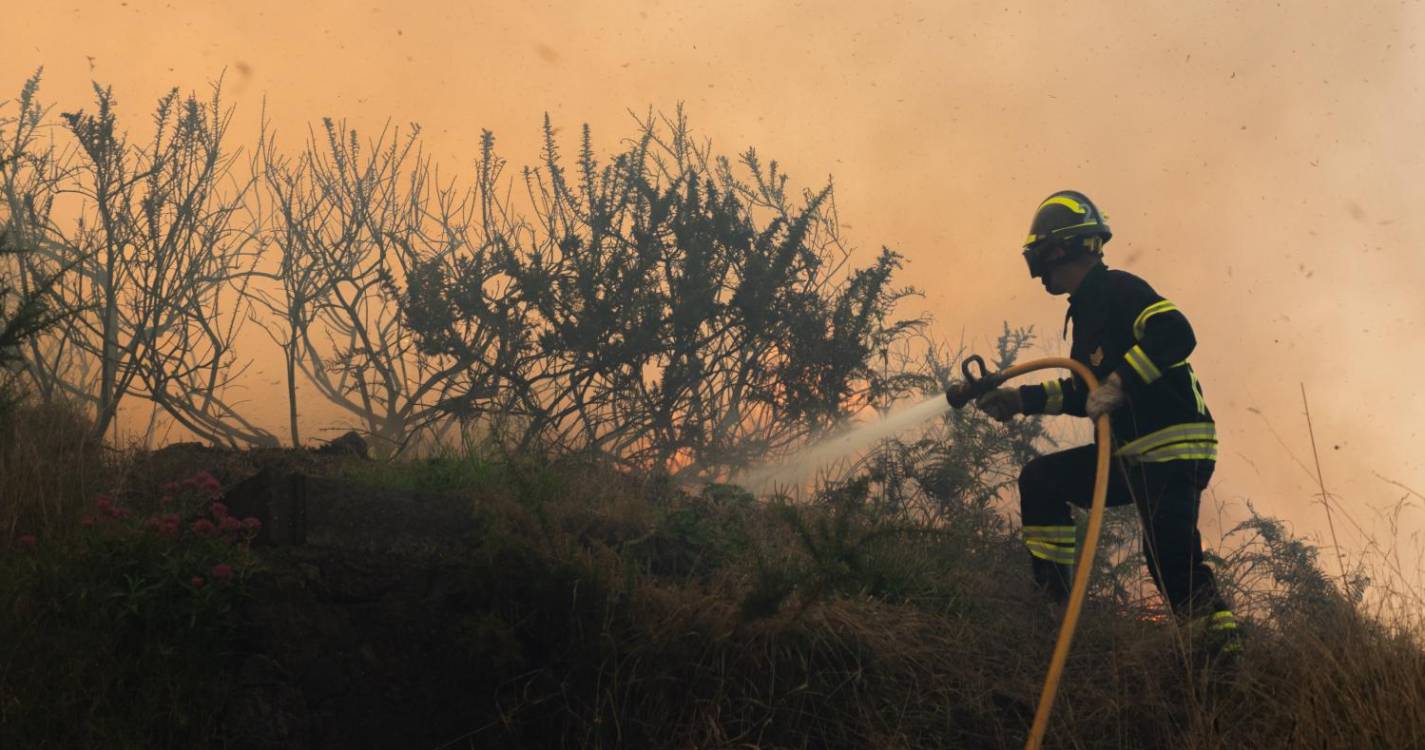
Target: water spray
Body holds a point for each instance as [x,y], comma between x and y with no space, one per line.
[805,464]
[826,452]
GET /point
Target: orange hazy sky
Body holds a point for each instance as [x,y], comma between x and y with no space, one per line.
[1258,161]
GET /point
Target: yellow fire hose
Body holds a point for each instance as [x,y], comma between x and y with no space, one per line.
[959,395]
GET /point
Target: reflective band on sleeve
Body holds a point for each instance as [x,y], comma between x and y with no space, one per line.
[1141,323]
[1142,365]
[1053,397]
[1063,555]
[1223,620]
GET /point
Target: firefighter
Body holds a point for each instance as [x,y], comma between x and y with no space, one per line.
[1137,344]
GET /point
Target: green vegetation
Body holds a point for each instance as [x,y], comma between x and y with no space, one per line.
[121,632]
[580,605]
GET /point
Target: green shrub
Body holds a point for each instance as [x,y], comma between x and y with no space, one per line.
[118,636]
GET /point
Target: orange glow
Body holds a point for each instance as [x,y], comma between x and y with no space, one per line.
[1259,163]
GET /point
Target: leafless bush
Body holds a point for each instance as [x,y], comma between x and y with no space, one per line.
[151,268]
[349,221]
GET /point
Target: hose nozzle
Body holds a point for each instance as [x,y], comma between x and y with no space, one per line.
[962,392]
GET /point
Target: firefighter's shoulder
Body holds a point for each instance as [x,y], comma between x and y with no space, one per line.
[1124,283]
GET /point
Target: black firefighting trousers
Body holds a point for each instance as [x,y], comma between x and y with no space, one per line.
[1167,496]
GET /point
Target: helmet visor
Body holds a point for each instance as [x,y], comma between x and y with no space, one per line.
[1044,255]
[1034,256]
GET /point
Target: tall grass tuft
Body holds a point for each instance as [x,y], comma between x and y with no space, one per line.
[50,468]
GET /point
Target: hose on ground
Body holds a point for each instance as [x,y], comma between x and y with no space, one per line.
[1104,439]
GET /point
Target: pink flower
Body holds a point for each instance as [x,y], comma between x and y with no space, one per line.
[197,582]
[205,481]
[251,524]
[204,527]
[222,571]
[166,499]
[106,505]
[229,524]
[164,525]
[27,541]
[219,510]
[168,487]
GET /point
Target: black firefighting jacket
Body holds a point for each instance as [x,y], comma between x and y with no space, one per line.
[1121,325]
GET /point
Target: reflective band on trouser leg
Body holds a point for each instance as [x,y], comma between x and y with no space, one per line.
[1053,397]
[1051,552]
[1053,543]
[1059,534]
[1142,364]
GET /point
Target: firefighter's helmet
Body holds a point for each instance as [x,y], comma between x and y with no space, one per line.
[1064,220]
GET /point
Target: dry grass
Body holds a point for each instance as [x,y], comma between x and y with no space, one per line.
[952,657]
[49,470]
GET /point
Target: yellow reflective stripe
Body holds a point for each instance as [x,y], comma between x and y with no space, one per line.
[1173,434]
[1181,452]
[1076,226]
[1051,552]
[1161,306]
[1053,397]
[1051,533]
[1197,391]
[1142,365]
[1067,202]
[1223,614]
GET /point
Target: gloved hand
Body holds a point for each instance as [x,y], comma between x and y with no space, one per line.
[1001,404]
[1108,396]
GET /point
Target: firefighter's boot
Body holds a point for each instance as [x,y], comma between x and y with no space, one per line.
[1054,579]
[1216,642]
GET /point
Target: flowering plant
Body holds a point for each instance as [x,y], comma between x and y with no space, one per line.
[148,585]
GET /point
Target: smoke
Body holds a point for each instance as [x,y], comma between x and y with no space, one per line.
[1259,162]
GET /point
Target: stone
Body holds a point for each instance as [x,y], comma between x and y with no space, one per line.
[279,502]
[349,444]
